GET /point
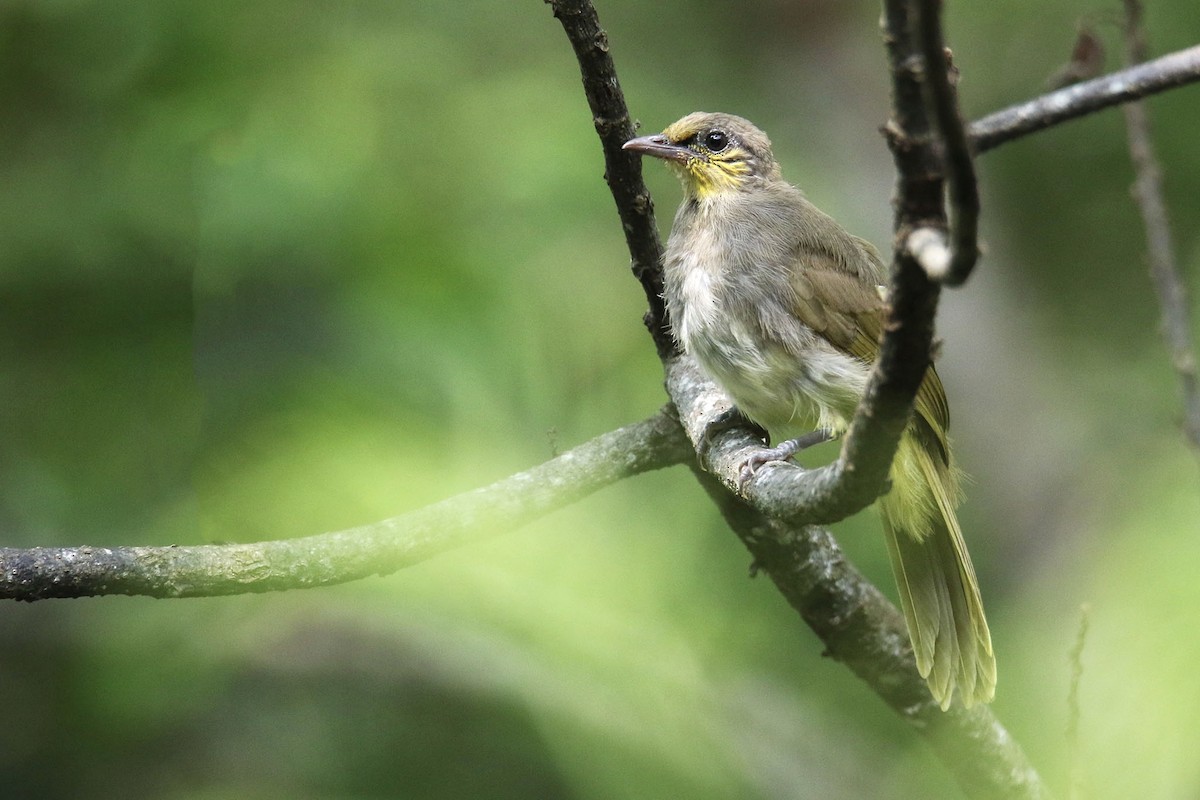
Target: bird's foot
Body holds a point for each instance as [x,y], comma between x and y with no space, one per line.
[779,453]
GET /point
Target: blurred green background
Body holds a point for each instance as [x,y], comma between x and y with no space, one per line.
[271,269]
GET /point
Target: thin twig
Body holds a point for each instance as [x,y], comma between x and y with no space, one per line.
[378,549]
[1087,58]
[622,168]
[1167,72]
[1164,273]
[963,189]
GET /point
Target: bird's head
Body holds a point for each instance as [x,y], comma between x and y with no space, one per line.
[712,153]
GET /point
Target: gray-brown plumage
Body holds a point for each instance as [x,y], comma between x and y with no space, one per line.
[783,307]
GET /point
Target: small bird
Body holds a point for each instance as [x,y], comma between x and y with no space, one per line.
[784,309]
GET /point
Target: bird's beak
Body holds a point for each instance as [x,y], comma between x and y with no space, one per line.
[658,146]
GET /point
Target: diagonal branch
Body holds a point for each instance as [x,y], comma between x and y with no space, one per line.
[378,549]
[1164,273]
[1167,72]
[862,629]
[622,168]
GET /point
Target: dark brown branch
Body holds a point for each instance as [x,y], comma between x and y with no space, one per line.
[906,347]
[959,166]
[1167,72]
[1164,273]
[377,549]
[622,168]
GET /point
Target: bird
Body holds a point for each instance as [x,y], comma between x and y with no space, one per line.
[784,309]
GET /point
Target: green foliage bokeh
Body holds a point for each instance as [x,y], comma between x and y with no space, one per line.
[269,270]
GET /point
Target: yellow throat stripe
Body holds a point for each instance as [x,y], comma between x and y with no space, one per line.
[713,174]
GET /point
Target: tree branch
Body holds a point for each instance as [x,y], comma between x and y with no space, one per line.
[622,169]
[1167,72]
[1164,273]
[781,490]
[378,549]
[862,629]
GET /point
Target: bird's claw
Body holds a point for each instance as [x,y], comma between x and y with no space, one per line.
[777,455]
[758,460]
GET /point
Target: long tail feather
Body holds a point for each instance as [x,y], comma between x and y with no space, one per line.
[939,592]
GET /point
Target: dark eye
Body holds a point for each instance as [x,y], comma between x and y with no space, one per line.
[716,141]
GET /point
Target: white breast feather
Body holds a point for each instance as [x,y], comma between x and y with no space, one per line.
[786,394]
